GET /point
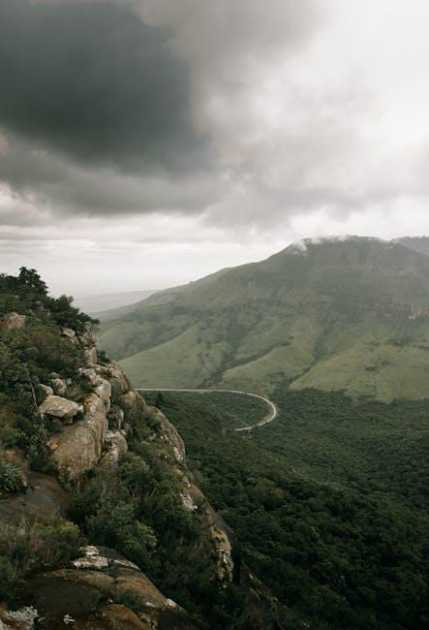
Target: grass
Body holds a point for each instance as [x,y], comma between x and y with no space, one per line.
[382,372]
[335,319]
[177,363]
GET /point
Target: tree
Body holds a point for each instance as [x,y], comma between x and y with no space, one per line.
[29,279]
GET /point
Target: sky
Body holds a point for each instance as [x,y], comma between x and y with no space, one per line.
[146,143]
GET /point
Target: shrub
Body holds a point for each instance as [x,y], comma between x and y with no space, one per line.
[8,579]
[11,479]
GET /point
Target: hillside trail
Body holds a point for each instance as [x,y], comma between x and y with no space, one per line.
[267,419]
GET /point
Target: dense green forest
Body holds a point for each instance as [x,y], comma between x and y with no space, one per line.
[328,503]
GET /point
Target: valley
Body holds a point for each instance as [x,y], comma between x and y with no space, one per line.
[345,315]
[222,395]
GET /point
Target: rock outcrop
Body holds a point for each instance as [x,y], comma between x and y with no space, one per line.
[95,412]
[91,592]
[79,447]
[13,321]
[59,407]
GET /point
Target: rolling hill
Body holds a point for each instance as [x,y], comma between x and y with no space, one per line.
[348,314]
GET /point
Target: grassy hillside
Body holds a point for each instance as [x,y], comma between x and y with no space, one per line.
[337,315]
[417,243]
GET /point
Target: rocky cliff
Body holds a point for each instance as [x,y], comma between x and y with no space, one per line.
[102,524]
[94,414]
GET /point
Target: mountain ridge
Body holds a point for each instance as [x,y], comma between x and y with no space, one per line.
[285,319]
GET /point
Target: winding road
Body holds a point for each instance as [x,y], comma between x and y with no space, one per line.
[271,415]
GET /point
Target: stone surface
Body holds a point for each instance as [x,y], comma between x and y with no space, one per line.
[21,619]
[128,400]
[12,321]
[59,386]
[47,390]
[116,418]
[70,334]
[90,355]
[44,499]
[114,617]
[92,594]
[79,447]
[104,391]
[89,374]
[117,446]
[60,408]
[102,558]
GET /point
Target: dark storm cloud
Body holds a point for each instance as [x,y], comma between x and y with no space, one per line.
[52,181]
[92,81]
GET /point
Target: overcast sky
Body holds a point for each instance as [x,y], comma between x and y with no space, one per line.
[145,143]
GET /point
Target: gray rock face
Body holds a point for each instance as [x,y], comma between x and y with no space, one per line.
[60,408]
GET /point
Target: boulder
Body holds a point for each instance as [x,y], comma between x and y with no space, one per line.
[44,500]
[59,386]
[115,617]
[91,594]
[46,389]
[70,334]
[59,407]
[21,619]
[102,558]
[79,447]
[90,355]
[117,446]
[89,374]
[12,321]
[104,391]
[118,379]
[88,338]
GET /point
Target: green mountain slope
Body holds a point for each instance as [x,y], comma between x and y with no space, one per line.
[339,314]
[417,243]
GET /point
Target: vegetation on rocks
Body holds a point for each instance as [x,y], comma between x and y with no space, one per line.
[88,472]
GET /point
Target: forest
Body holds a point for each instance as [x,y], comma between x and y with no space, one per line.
[328,504]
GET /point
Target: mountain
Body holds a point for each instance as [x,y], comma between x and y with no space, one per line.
[417,243]
[347,314]
[102,524]
[97,304]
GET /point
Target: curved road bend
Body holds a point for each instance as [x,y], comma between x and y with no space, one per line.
[271,415]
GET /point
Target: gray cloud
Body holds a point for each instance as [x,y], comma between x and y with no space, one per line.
[66,187]
[205,126]
[91,80]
